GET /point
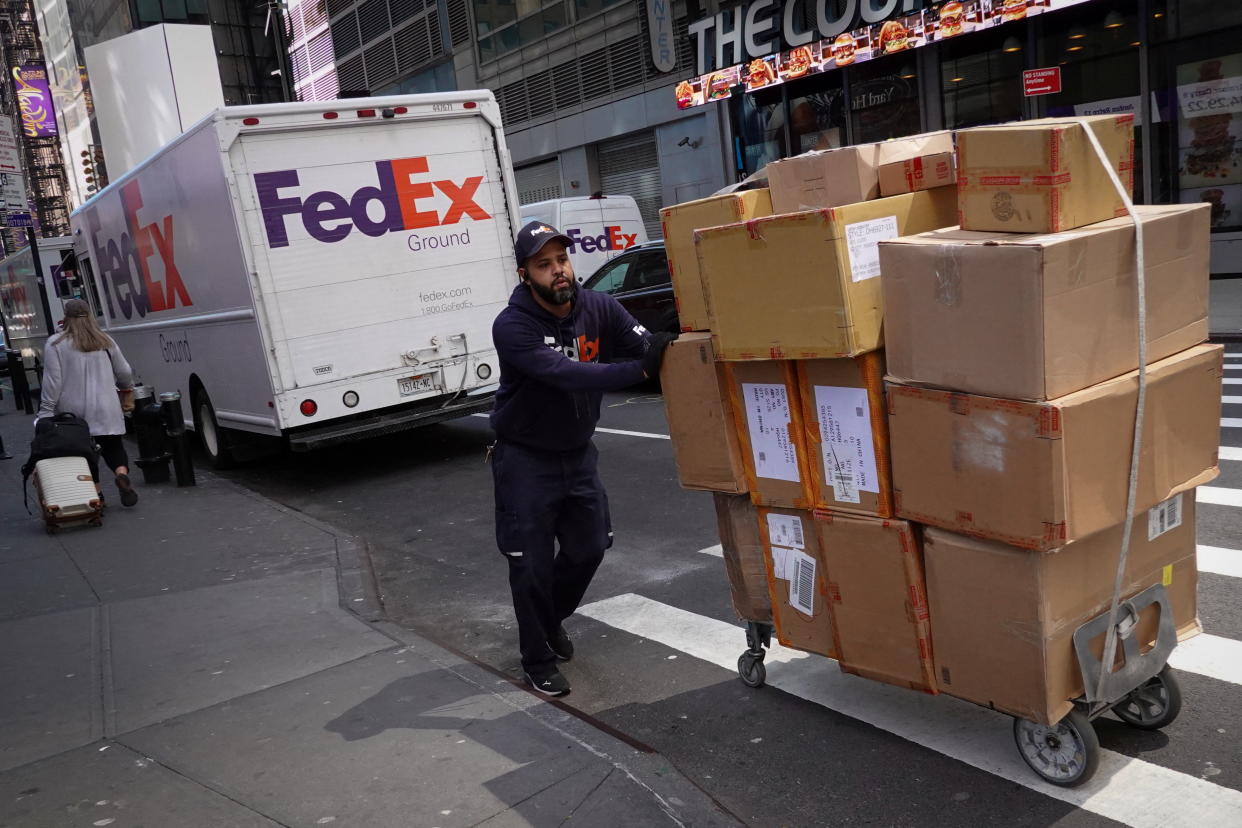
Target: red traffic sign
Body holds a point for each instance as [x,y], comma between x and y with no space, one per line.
[1041,81]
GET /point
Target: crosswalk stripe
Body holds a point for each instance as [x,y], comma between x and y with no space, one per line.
[1231,452]
[1210,655]
[1231,422]
[1231,400]
[1220,561]
[1128,790]
[1218,496]
[717,550]
[1232,381]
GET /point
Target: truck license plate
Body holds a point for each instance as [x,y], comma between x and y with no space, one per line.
[416,385]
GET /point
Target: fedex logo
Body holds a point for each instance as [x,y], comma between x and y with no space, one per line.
[130,283]
[330,217]
[612,239]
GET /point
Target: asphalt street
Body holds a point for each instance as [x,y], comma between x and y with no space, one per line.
[657,643]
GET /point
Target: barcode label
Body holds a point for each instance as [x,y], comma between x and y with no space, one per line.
[846,443]
[785,530]
[1164,517]
[802,585]
[768,416]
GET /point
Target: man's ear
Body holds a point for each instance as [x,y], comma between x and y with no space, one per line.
[522,275]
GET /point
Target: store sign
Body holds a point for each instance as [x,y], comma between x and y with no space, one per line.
[12,192]
[19,220]
[10,161]
[660,28]
[1041,81]
[766,44]
[1210,97]
[34,98]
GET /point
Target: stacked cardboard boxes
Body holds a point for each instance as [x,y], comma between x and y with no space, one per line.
[1012,389]
[776,402]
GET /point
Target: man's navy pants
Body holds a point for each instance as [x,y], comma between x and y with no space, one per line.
[552,524]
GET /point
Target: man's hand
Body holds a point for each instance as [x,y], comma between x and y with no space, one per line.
[655,353]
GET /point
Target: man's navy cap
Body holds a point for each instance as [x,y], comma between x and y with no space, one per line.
[531,239]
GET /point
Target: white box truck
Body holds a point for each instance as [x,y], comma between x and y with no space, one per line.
[600,226]
[318,271]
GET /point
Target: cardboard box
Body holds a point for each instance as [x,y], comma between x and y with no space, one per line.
[846,421]
[767,417]
[1035,317]
[874,577]
[805,286]
[1040,475]
[1042,176]
[824,178]
[679,222]
[738,522]
[920,173]
[700,417]
[1003,619]
[796,581]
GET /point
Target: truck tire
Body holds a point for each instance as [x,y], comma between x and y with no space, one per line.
[213,439]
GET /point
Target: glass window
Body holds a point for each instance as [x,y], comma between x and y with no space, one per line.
[981,77]
[492,14]
[884,99]
[816,113]
[610,277]
[649,270]
[760,120]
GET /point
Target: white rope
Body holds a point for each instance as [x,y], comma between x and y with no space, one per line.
[1140,282]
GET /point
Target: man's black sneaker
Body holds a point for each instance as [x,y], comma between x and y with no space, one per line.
[562,644]
[548,681]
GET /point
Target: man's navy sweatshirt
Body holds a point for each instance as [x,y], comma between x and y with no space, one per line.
[553,371]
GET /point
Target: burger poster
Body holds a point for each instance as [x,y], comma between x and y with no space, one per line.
[1209,110]
[936,22]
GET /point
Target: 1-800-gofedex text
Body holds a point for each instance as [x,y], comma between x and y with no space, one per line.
[330,217]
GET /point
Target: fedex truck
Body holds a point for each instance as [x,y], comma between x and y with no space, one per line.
[316,271]
[600,226]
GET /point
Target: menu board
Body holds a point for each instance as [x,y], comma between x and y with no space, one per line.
[939,22]
[1209,115]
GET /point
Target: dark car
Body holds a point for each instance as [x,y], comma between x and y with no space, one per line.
[639,279]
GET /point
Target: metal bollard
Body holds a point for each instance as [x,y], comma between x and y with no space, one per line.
[174,426]
[21,383]
[153,453]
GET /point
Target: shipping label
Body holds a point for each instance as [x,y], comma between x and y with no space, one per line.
[786,531]
[845,441]
[863,239]
[1164,517]
[802,581]
[767,420]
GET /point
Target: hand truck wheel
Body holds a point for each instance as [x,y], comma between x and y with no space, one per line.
[1153,704]
[750,668]
[1066,754]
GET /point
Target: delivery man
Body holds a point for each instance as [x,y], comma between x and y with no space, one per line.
[560,348]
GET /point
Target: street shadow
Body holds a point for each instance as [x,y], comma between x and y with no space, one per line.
[556,781]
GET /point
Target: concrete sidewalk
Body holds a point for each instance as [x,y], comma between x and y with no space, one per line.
[212,658]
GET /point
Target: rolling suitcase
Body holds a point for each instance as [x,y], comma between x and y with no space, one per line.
[67,492]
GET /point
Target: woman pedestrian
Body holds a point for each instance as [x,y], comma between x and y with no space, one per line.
[85,373]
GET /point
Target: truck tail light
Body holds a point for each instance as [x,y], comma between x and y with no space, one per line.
[308,408]
[329,116]
[366,113]
[400,110]
[350,398]
[484,370]
[470,104]
[250,121]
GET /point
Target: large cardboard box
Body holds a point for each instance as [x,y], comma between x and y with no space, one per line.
[805,285]
[738,521]
[824,178]
[874,576]
[700,417]
[1042,176]
[679,222]
[796,581]
[846,421]
[1034,317]
[767,417]
[1003,619]
[1040,475]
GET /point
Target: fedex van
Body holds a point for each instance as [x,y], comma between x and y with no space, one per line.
[601,227]
[317,271]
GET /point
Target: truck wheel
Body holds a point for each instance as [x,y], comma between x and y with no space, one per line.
[211,437]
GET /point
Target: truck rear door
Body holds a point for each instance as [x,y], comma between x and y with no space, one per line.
[380,245]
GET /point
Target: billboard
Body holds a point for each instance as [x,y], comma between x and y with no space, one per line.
[34,97]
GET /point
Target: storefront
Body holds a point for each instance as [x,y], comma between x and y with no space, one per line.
[1174,64]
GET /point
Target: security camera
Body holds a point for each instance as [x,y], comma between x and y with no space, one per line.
[683,141]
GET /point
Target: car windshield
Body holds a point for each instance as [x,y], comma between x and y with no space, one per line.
[610,277]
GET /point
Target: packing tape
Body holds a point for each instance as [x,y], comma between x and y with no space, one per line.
[948,276]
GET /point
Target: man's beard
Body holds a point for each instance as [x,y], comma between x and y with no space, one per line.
[554,296]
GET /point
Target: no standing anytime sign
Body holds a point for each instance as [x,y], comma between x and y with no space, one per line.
[1041,81]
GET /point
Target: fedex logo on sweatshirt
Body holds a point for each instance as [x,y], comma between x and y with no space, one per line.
[403,193]
[139,268]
